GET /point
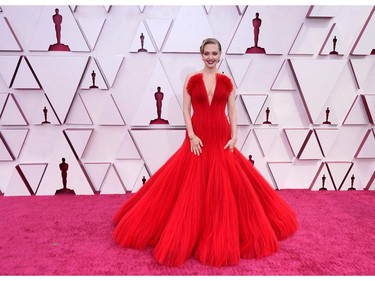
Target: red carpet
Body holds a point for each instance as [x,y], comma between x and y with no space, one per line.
[71,235]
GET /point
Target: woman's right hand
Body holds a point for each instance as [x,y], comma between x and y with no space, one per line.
[196,145]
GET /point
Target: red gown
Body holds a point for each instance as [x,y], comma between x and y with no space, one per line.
[215,207]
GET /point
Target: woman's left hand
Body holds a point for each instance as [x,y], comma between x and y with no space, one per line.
[230,144]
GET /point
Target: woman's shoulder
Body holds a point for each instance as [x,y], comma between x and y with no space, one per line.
[227,81]
[192,79]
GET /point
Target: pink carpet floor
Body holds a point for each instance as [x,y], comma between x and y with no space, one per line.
[71,235]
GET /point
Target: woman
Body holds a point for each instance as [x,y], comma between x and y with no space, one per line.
[207,200]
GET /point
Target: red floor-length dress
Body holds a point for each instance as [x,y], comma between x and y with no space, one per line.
[215,207]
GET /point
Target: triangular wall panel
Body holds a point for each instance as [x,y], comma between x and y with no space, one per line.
[15,138]
[136,45]
[45,34]
[196,30]
[8,40]
[59,77]
[33,173]
[24,77]
[147,110]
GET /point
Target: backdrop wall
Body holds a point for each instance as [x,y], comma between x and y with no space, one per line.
[50,109]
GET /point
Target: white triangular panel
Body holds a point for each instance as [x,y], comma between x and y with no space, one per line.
[141,8]
[280,173]
[112,183]
[33,173]
[242,135]
[4,153]
[318,84]
[78,114]
[92,70]
[193,23]
[327,138]
[110,66]
[241,8]
[59,77]
[242,115]
[8,41]
[129,171]
[274,28]
[272,115]
[91,28]
[238,68]
[139,182]
[149,141]
[147,110]
[284,79]
[147,43]
[8,66]
[16,186]
[127,149]
[32,103]
[45,34]
[15,139]
[11,114]
[107,7]
[52,180]
[324,11]
[332,116]
[24,78]
[318,181]
[364,71]
[354,180]
[366,39]
[159,29]
[357,114]
[312,149]
[370,107]
[296,138]
[111,114]
[339,170]
[371,183]
[367,148]
[309,38]
[254,104]
[274,145]
[364,172]
[3,98]
[104,144]
[251,147]
[79,139]
[6,170]
[207,8]
[299,174]
[97,172]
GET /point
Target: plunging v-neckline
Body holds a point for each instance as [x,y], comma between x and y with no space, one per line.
[213,92]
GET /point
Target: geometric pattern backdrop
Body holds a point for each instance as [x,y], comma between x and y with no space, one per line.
[50,110]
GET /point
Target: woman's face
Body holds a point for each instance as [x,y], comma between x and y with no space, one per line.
[211,55]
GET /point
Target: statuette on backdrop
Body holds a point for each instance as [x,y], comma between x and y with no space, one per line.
[372,52]
[57,20]
[142,37]
[64,176]
[257,22]
[45,112]
[323,183]
[159,95]
[144,180]
[267,116]
[334,47]
[327,116]
[352,183]
[251,159]
[93,75]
